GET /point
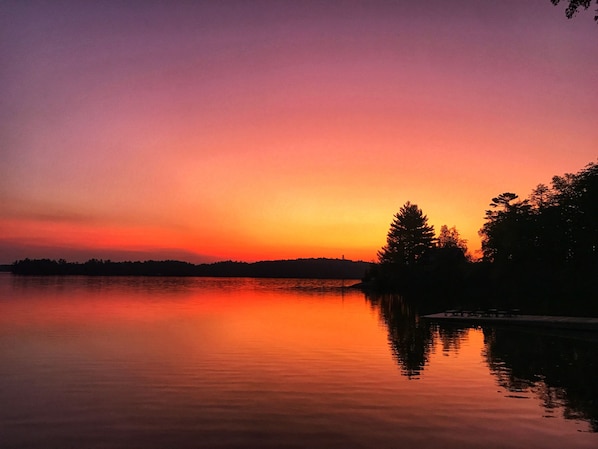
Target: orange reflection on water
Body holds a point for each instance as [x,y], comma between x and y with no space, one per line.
[284,358]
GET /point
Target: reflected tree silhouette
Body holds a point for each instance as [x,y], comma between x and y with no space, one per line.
[410,339]
[558,370]
[451,338]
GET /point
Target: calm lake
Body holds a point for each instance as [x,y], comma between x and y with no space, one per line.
[123,362]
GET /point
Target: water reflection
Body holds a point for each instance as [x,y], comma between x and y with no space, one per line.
[559,370]
[409,338]
[451,338]
[239,363]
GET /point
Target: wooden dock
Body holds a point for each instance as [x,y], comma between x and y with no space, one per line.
[552,322]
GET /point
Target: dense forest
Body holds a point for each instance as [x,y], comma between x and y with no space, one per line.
[540,253]
[296,268]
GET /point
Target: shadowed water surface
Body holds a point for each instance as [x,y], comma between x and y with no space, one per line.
[258,363]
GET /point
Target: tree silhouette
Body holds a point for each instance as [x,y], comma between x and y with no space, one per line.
[449,253]
[506,233]
[555,225]
[574,6]
[539,253]
[546,246]
[450,238]
[409,237]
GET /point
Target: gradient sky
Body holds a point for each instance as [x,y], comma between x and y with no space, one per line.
[252,130]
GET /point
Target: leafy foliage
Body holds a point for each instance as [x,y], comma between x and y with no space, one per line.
[450,238]
[547,244]
[574,6]
[555,225]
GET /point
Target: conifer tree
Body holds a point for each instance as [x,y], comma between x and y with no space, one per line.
[409,237]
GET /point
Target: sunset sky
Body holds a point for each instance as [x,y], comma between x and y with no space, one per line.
[252,130]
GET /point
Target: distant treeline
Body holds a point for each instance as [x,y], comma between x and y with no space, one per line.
[298,268]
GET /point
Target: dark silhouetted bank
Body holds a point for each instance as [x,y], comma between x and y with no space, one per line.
[321,268]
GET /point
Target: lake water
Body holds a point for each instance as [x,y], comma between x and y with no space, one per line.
[91,362]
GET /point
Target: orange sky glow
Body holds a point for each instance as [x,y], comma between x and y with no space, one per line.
[206,131]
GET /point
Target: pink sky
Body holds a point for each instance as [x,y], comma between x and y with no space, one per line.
[257,130]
